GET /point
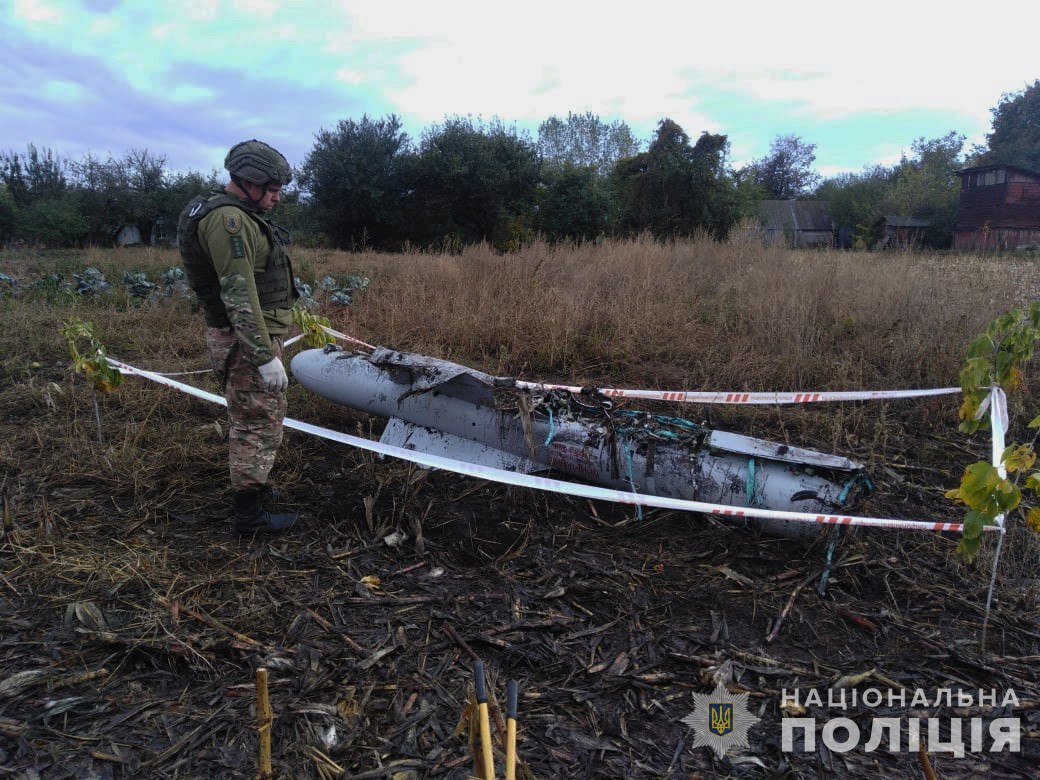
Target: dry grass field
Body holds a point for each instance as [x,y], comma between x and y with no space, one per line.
[132,620]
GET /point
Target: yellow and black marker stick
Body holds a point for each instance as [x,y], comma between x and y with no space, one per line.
[485,722]
[511,695]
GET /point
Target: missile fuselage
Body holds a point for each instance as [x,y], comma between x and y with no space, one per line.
[448,409]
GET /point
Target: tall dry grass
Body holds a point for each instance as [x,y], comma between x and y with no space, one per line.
[692,314]
[683,315]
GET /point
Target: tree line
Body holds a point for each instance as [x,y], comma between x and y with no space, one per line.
[367,184]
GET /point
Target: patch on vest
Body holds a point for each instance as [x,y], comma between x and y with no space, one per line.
[238,249]
[232,224]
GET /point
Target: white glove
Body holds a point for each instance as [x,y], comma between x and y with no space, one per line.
[273,375]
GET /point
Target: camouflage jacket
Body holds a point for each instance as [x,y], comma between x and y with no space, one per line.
[237,264]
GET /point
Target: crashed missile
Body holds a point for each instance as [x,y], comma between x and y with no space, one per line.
[447,409]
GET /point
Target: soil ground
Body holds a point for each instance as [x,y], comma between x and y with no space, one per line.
[134,621]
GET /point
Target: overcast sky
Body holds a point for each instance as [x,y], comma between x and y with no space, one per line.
[188,79]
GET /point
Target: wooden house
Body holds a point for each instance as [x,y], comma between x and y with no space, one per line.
[797,223]
[898,232]
[999,209]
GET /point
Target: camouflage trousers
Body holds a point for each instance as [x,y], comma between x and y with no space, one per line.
[255,415]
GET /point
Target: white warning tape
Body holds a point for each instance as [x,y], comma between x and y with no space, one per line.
[185,373]
[998,417]
[721,397]
[558,486]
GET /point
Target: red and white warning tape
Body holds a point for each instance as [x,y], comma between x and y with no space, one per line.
[558,486]
[711,396]
[719,397]
[331,332]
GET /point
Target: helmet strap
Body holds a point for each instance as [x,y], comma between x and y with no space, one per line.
[241,184]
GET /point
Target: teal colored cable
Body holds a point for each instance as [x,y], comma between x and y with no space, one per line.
[829,560]
[751,487]
[844,495]
[681,422]
[842,498]
[552,428]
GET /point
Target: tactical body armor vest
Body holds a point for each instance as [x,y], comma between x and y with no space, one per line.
[274,285]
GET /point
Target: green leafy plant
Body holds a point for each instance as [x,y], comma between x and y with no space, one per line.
[995,359]
[93,364]
[313,327]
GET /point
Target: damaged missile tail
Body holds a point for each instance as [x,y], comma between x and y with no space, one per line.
[447,409]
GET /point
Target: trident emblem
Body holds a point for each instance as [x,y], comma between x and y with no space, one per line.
[721,716]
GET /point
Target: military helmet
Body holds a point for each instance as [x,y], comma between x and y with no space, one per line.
[258,163]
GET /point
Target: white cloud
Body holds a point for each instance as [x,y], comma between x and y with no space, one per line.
[636,59]
[349,76]
[198,10]
[891,154]
[778,68]
[37,11]
[529,64]
[102,26]
[163,31]
[265,8]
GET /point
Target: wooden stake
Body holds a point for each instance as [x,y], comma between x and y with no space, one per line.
[8,522]
[923,760]
[485,722]
[511,697]
[264,718]
[473,719]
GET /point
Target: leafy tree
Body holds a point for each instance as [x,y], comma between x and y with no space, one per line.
[8,215]
[719,200]
[676,189]
[1015,139]
[146,174]
[997,358]
[182,187]
[298,218]
[64,203]
[118,192]
[100,187]
[473,181]
[54,222]
[584,140]
[353,181]
[786,172]
[926,186]
[573,202]
[748,196]
[857,200]
[33,176]
[178,189]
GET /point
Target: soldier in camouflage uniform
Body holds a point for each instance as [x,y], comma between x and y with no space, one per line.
[236,262]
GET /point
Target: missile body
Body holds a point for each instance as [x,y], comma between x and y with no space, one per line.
[447,409]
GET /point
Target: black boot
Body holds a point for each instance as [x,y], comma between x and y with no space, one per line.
[252,518]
